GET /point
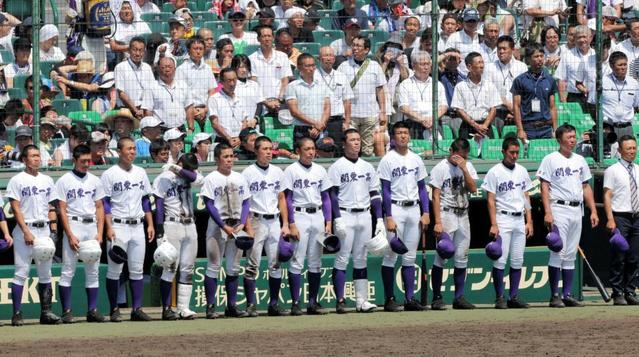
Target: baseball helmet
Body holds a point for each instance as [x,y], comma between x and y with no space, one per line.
[4,245]
[117,254]
[553,240]
[397,246]
[329,241]
[493,249]
[445,246]
[243,241]
[165,255]
[618,243]
[378,245]
[285,248]
[43,249]
[90,251]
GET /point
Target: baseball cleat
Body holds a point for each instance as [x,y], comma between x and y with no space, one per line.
[438,304]
[115,315]
[296,310]
[340,307]
[187,314]
[619,300]
[462,304]
[232,311]
[315,309]
[366,307]
[139,315]
[555,301]
[631,299]
[570,301]
[67,317]
[210,312]
[515,303]
[500,303]
[169,315]
[276,310]
[392,306]
[413,305]
[95,316]
[49,318]
[16,320]
[251,310]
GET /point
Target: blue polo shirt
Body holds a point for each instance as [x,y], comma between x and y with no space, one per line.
[450,80]
[529,88]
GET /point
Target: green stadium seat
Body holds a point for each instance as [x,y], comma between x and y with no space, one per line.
[47,66]
[218,27]
[448,132]
[273,123]
[308,47]
[539,148]
[419,146]
[203,5]
[6,56]
[375,35]
[609,162]
[17,93]
[337,4]
[283,136]
[66,106]
[250,49]
[143,160]
[325,38]
[192,5]
[508,129]
[18,81]
[635,128]
[443,146]
[158,22]
[168,7]
[491,149]
[326,19]
[201,17]
[86,117]
[20,8]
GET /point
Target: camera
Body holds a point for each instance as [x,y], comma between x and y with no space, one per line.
[588,146]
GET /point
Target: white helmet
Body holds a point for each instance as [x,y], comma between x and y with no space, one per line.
[43,249]
[378,245]
[90,251]
[165,255]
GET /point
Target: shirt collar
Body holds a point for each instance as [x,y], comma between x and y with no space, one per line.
[133,65]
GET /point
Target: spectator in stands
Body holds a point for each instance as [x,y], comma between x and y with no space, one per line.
[159,151]
[4,91]
[24,137]
[121,123]
[27,118]
[411,26]
[151,129]
[455,7]
[6,33]
[226,112]
[106,96]
[588,77]
[223,7]
[387,15]
[342,46]
[475,101]
[467,39]
[78,81]
[49,51]
[185,14]
[200,80]
[284,43]
[425,45]
[341,96]
[99,148]
[629,46]
[148,7]
[21,65]
[271,68]
[308,101]
[540,13]
[127,26]
[449,25]
[552,51]
[209,44]
[415,98]
[176,46]
[224,55]
[280,11]
[502,72]
[312,21]
[179,4]
[309,5]
[569,66]
[77,135]
[369,103]
[47,130]
[587,9]
[295,23]
[172,103]
[238,36]
[14,111]
[395,67]
[133,78]
[175,139]
[610,23]
[489,44]
[534,98]
[349,11]
[266,17]
[63,126]
[246,151]
[247,90]
[201,147]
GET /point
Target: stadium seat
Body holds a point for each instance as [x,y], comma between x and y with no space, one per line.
[143,160]
[6,56]
[491,149]
[86,117]
[203,5]
[66,106]
[448,132]
[218,27]
[157,21]
[419,146]
[326,19]
[539,148]
[337,4]
[308,47]
[250,49]
[192,5]
[283,136]
[47,66]
[375,35]
[325,38]
[18,81]
[201,17]
[508,129]
[17,93]
[168,7]
[635,128]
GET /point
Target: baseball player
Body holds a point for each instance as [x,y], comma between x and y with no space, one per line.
[355,190]
[175,223]
[82,217]
[126,207]
[451,180]
[564,179]
[265,183]
[228,199]
[507,185]
[405,203]
[32,195]
[306,186]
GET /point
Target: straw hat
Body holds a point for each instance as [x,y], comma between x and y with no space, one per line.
[121,113]
[85,67]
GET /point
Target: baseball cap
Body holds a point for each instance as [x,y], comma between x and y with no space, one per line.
[199,137]
[395,2]
[173,134]
[48,121]
[246,132]
[183,11]
[150,122]
[266,12]
[606,11]
[24,130]
[312,16]
[107,81]
[177,19]
[351,22]
[325,144]
[237,15]
[294,11]
[98,137]
[470,14]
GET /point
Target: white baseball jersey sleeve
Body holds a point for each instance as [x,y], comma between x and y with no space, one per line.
[565,175]
[355,181]
[307,184]
[126,189]
[176,193]
[508,186]
[450,180]
[403,172]
[34,194]
[227,192]
[265,186]
[80,193]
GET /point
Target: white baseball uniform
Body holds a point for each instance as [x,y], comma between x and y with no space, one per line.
[80,195]
[126,190]
[566,177]
[307,185]
[449,179]
[228,193]
[509,187]
[403,172]
[34,194]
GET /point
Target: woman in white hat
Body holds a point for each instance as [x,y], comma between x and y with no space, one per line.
[49,51]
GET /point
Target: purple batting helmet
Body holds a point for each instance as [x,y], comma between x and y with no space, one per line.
[445,246]
[285,248]
[397,246]
[553,240]
[493,249]
[618,243]
[4,245]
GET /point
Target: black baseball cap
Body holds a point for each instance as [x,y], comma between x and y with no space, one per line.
[266,12]
[237,15]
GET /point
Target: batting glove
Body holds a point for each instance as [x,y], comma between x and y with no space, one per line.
[380,228]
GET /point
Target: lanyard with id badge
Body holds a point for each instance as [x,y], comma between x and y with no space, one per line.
[620,111]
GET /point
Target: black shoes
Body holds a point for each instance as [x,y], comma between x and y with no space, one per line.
[413,305]
[139,315]
[95,316]
[392,306]
[462,304]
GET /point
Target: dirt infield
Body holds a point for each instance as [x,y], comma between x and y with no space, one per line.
[607,331]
